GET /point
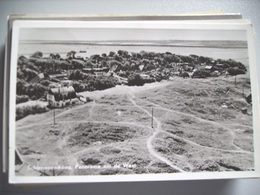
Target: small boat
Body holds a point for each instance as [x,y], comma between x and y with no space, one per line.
[82,51]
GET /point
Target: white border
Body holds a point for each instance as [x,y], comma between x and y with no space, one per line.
[200,25]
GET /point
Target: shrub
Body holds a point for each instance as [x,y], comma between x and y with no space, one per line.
[21,87]
[45,83]
[36,90]
[37,54]
[201,74]
[236,71]
[79,87]
[135,79]
[77,75]
[104,83]
[21,98]
[23,111]
[30,74]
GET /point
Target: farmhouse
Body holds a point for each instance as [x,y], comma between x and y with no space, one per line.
[60,96]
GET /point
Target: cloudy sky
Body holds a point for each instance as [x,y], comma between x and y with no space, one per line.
[72,34]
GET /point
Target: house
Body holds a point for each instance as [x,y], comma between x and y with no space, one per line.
[66,83]
[186,66]
[100,71]
[58,77]
[96,71]
[220,67]
[88,70]
[61,96]
[208,67]
[145,76]
[77,63]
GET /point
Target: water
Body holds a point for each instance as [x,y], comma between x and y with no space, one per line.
[236,53]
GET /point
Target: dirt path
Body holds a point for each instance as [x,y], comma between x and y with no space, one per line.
[61,146]
[205,147]
[231,131]
[151,138]
[91,109]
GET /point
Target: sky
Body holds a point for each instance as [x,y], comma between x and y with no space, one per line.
[72,34]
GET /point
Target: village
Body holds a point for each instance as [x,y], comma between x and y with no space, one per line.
[58,80]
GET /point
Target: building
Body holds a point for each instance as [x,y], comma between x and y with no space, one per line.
[61,96]
[97,71]
[58,77]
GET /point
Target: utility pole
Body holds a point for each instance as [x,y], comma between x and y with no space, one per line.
[54,117]
[243,92]
[152,119]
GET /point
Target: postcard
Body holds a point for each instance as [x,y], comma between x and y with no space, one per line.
[104,101]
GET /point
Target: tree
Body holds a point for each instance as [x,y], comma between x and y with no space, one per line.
[36,90]
[55,56]
[71,54]
[111,54]
[30,74]
[37,54]
[21,87]
[235,71]
[77,75]
[79,87]
[135,79]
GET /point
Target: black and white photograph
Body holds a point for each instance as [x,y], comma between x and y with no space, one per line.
[138,99]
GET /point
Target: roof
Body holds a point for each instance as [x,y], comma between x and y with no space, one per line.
[208,67]
[61,93]
[57,75]
[62,90]
[78,61]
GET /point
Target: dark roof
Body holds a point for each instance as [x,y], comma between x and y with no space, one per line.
[61,93]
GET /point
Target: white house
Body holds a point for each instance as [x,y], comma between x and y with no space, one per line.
[61,96]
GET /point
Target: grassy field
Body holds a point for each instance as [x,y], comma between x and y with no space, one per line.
[197,125]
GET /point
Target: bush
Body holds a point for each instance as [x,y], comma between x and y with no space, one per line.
[236,71]
[104,83]
[23,111]
[36,90]
[21,87]
[201,74]
[37,54]
[135,79]
[21,98]
[29,74]
[78,86]
[77,75]
[45,83]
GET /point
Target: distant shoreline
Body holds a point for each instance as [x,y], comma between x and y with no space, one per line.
[143,45]
[170,43]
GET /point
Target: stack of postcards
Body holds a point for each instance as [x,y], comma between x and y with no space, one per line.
[130,98]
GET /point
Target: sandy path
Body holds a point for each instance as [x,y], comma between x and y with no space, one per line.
[150,139]
[231,131]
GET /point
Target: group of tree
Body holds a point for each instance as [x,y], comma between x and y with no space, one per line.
[89,82]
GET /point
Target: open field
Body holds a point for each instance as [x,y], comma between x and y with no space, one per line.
[197,125]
